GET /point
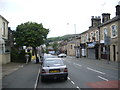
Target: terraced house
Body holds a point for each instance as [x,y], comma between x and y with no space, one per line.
[100,41]
[4,43]
[109,36]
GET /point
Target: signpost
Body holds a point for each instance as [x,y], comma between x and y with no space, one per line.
[107,43]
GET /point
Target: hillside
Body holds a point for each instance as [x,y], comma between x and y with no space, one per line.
[60,38]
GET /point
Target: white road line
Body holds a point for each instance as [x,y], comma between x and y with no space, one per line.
[36,82]
[103,78]
[78,87]
[95,70]
[72,82]
[77,64]
[68,78]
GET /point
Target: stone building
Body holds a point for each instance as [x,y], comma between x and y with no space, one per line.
[109,36]
[71,47]
[92,37]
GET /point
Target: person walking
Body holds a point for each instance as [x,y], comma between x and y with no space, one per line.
[37,60]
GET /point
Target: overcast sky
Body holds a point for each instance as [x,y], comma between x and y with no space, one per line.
[59,16]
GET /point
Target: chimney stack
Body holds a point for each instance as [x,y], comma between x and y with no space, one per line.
[105,17]
[118,10]
[95,21]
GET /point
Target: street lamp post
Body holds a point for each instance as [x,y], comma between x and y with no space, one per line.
[76,52]
[107,43]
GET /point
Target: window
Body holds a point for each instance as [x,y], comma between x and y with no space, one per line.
[105,33]
[71,46]
[114,31]
[83,40]
[97,35]
[87,37]
[3,32]
[92,36]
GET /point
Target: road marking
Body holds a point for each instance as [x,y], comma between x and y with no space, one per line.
[36,82]
[78,87]
[77,64]
[95,70]
[103,78]
[68,78]
[72,82]
[20,66]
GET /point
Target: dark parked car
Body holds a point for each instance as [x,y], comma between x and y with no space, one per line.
[53,68]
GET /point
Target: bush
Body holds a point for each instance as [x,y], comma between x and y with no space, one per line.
[14,54]
[19,56]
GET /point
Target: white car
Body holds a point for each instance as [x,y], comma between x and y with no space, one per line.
[53,68]
[62,55]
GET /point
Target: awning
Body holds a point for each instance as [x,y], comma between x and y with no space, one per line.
[91,45]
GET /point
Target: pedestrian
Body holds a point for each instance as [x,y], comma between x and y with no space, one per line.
[27,57]
[33,58]
[37,60]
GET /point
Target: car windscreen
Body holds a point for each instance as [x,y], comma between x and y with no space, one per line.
[53,63]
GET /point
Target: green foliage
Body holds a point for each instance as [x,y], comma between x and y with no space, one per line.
[30,34]
[14,54]
[19,56]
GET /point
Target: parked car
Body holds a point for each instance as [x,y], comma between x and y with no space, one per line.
[62,55]
[53,68]
[47,56]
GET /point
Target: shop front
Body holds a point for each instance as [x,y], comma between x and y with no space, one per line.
[93,50]
[83,50]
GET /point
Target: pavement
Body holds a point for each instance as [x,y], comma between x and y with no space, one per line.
[11,67]
[22,75]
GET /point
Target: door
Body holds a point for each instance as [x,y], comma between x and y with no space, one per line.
[114,51]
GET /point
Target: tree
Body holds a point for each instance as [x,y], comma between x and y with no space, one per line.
[30,34]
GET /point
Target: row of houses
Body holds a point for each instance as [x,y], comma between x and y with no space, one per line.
[5,41]
[100,41]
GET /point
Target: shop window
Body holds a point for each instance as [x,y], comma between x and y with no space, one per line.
[104,50]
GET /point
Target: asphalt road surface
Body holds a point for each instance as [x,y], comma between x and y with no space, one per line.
[82,74]
[85,74]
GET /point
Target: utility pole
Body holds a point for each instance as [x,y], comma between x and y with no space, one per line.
[76,52]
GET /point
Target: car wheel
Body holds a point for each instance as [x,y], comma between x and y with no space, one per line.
[42,79]
[65,78]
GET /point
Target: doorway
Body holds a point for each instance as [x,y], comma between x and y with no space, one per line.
[114,51]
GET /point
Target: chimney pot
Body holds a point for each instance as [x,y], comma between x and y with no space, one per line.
[105,17]
[117,10]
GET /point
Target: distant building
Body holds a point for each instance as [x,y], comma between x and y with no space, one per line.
[71,48]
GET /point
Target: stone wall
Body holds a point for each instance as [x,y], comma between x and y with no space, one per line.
[4,58]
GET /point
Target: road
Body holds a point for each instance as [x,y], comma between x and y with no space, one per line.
[85,74]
